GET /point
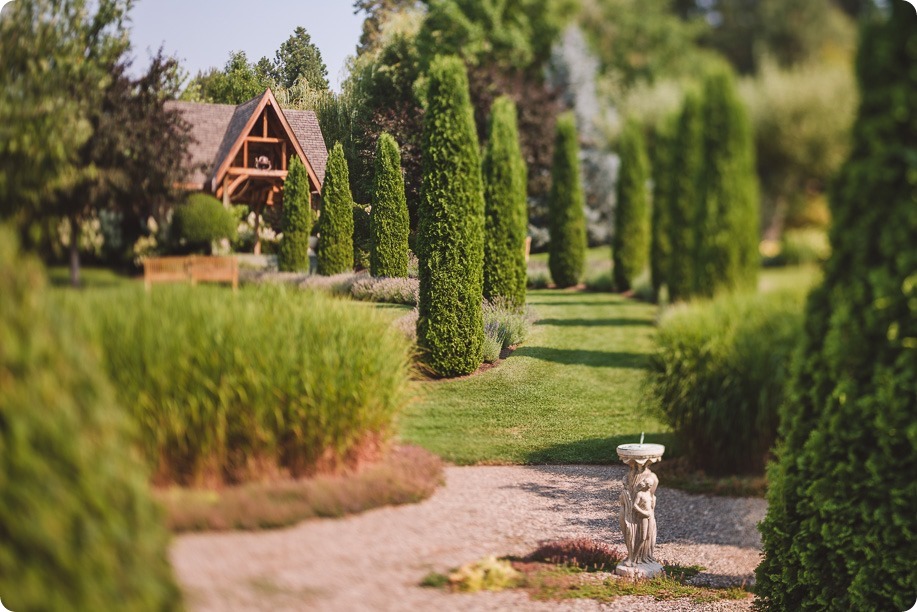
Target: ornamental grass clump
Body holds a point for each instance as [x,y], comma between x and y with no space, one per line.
[719,374]
[225,387]
[78,530]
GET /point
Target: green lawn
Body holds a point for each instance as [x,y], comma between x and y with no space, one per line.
[570,394]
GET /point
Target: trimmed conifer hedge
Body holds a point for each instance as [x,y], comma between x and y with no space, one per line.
[505,212]
[296,222]
[686,160]
[630,248]
[663,173]
[728,215]
[841,524]
[388,221]
[450,328]
[567,251]
[78,530]
[335,239]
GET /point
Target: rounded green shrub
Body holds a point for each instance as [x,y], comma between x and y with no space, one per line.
[223,387]
[718,374]
[728,213]
[450,327]
[203,220]
[631,243]
[388,221]
[683,198]
[78,530]
[296,222]
[335,226]
[505,211]
[841,527]
[567,251]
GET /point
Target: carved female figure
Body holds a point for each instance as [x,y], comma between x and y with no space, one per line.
[645,523]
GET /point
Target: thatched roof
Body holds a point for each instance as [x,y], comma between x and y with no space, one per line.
[216,128]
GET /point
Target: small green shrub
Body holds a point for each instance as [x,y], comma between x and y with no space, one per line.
[296,223]
[223,386]
[719,373]
[78,530]
[203,220]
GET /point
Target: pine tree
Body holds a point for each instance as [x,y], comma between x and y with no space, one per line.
[296,222]
[335,239]
[840,529]
[727,229]
[630,248]
[505,213]
[567,251]
[661,217]
[450,326]
[388,221]
[686,159]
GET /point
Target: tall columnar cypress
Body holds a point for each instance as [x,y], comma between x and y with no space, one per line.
[388,220]
[335,239]
[450,326]
[78,529]
[727,256]
[663,173]
[630,248]
[505,211]
[567,251]
[686,158]
[841,527]
[296,222]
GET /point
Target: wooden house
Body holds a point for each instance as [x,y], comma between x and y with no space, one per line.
[240,154]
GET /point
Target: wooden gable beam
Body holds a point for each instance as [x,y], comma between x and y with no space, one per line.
[267,100]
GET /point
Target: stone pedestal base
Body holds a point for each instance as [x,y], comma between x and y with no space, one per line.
[642,570]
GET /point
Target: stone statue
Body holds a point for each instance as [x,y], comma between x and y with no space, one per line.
[638,510]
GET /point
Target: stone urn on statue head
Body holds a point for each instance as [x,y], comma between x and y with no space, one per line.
[638,509]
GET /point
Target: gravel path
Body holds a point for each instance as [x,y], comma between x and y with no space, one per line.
[374,561]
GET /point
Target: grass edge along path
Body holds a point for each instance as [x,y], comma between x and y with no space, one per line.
[570,394]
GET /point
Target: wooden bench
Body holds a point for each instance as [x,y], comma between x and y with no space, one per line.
[192,269]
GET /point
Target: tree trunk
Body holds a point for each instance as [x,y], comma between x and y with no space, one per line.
[257,250]
[74,251]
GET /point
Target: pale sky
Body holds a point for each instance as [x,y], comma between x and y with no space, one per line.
[201,33]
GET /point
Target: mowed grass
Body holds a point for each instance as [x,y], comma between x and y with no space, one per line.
[570,394]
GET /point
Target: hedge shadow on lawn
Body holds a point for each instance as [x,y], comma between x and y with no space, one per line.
[595,359]
[597,451]
[617,322]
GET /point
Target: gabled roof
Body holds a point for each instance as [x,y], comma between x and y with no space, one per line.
[218,130]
